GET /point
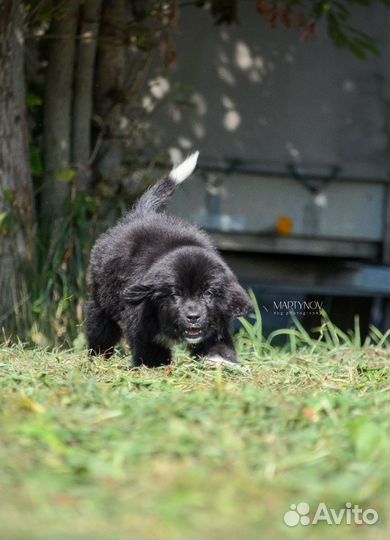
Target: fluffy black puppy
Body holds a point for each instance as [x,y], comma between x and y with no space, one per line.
[157,279]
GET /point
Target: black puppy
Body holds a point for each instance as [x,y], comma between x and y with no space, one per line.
[157,280]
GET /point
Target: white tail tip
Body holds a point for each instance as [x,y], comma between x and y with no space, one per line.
[183,171]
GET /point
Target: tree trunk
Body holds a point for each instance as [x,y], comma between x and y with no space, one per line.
[83,91]
[110,87]
[57,110]
[17,217]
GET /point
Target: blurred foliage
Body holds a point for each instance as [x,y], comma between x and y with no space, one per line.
[58,284]
[305,16]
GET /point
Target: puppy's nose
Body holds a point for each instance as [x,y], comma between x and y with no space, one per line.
[193,317]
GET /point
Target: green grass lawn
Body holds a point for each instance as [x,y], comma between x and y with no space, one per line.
[93,449]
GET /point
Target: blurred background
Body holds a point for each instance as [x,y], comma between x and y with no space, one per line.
[287,102]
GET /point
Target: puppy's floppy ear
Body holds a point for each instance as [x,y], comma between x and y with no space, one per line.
[137,293]
[151,287]
[238,301]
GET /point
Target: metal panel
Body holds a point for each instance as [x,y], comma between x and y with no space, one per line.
[264,96]
[254,204]
[266,100]
[298,274]
[298,246]
[344,220]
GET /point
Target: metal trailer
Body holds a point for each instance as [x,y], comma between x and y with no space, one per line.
[293,182]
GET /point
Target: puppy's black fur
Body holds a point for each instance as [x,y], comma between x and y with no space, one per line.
[156,280]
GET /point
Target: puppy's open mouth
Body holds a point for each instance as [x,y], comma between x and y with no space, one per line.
[193,334]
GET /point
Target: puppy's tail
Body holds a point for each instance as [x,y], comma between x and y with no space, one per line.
[157,197]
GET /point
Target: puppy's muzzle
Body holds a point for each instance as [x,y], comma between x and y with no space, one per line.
[194,319]
[193,334]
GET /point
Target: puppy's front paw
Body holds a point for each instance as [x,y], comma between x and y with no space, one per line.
[218,360]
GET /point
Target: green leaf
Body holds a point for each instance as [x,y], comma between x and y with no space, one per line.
[7,223]
[36,161]
[33,100]
[9,196]
[66,175]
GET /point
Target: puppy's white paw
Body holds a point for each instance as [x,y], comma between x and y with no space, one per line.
[217,359]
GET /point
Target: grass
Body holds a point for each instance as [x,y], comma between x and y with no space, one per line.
[93,449]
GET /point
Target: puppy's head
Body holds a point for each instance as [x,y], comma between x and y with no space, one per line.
[194,293]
